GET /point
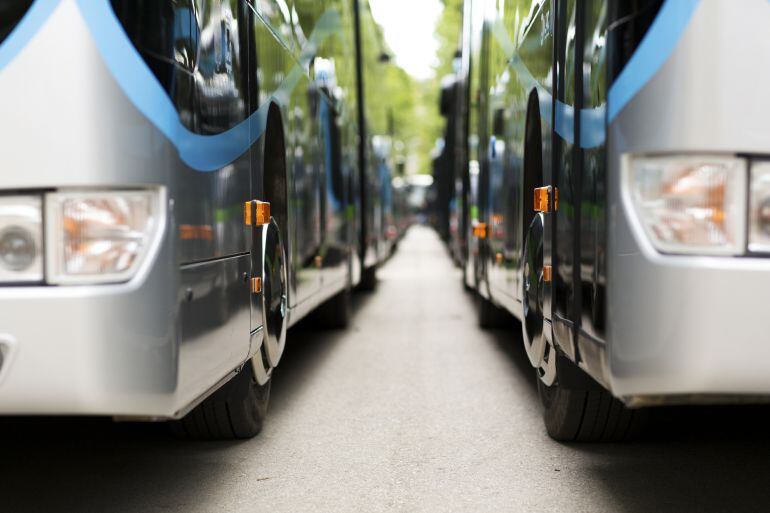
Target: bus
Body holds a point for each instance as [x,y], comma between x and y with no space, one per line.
[182,181]
[621,211]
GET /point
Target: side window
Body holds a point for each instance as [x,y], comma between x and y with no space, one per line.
[210,50]
[220,75]
[333,149]
[167,35]
[164,30]
[277,15]
[11,12]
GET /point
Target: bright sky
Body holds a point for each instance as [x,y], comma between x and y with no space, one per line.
[409,27]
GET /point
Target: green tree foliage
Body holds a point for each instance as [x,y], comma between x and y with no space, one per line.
[411,114]
[448,33]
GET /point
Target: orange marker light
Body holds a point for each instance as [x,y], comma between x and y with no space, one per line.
[547,274]
[480,231]
[256,285]
[262,209]
[263,213]
[542,199]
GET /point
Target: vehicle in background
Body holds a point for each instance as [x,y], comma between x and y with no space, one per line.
[196,183]
[401,214]
[621,205]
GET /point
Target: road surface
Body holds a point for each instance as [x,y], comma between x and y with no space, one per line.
[414,408]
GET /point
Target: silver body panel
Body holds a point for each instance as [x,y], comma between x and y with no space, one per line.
[681,325]
[155,346]
[106,350]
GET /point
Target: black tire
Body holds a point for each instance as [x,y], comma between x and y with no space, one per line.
[368,279]
[235,411]
[492,317]
[336,312]
[583,411]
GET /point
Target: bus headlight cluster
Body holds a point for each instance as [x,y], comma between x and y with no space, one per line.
[21,239]
[99,237]
[83,238]
[759,208]
[690,205]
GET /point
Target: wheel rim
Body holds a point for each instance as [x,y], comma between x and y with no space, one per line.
[274,303]
[532,292]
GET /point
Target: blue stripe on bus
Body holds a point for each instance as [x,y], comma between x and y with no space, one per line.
[200,152]
[211,152]
[26,29]
[656,47]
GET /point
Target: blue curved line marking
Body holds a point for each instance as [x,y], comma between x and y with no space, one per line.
[26,29]
[200,152]
[654,50]
[592,120]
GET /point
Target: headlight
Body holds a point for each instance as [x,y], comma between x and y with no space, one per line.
[759,208]
[99,237]
[21,239]
[693,205]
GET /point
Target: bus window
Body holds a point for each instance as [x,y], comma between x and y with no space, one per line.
[11,12]
[277,15]
[167,35]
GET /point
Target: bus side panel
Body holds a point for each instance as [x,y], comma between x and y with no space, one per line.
[477,138]
[374,120]
[335,75]
[497,160]
[214,296]
[520,54]
[567,179]
[593,213]
[192,49]
[277,65]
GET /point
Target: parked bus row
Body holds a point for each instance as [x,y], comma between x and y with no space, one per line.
[182,181]
[608,187]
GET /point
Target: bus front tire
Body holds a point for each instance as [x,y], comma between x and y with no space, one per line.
[583,411]
[236,411]
[491,316]
[368,279]
[336,312]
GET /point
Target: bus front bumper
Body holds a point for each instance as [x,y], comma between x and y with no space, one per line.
[90,350]
[688,329]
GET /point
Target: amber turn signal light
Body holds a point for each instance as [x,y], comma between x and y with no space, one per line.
[480,231]
[256,213]
[543,199]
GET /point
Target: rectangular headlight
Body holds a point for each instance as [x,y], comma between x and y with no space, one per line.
[692,204]
[759,208]
[100,237]
[21,239]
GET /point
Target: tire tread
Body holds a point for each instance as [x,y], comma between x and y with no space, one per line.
[235,411]
[588,415]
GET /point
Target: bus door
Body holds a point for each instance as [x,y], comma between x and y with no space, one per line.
[593,215]
[307,164]
[566,177]
[336,246]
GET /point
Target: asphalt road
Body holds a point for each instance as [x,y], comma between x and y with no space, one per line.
[412,409]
